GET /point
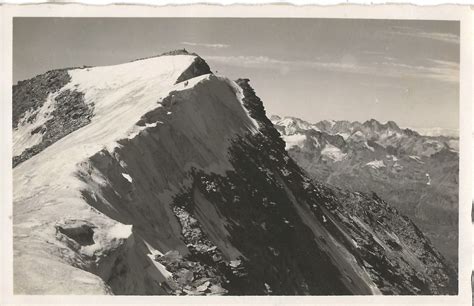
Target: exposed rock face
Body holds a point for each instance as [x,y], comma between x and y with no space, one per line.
[199,67]
[69,113]
[30,95]
[416,174]
[186,188]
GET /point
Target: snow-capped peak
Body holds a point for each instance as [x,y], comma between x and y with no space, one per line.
[293,124]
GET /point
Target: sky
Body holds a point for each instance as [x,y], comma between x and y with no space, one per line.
[315,69]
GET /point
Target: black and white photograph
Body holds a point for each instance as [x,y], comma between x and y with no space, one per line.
[236,156]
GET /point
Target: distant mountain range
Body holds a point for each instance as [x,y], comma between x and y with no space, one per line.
[417,174]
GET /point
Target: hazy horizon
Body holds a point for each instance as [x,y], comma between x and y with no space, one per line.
[313,69]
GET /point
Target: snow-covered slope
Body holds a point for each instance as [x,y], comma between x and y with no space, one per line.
[167,179]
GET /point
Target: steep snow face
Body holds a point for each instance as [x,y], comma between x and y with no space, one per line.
[293,125]
[376,164]
[121,94]
[333,153]
[132,101]
[295,140]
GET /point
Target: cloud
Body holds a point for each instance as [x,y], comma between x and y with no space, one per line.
[438,36]
[443,71]
[267,62]
[438,70]
[247,61]
[212,46]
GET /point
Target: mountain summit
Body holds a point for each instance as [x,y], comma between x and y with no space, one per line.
[157,177]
